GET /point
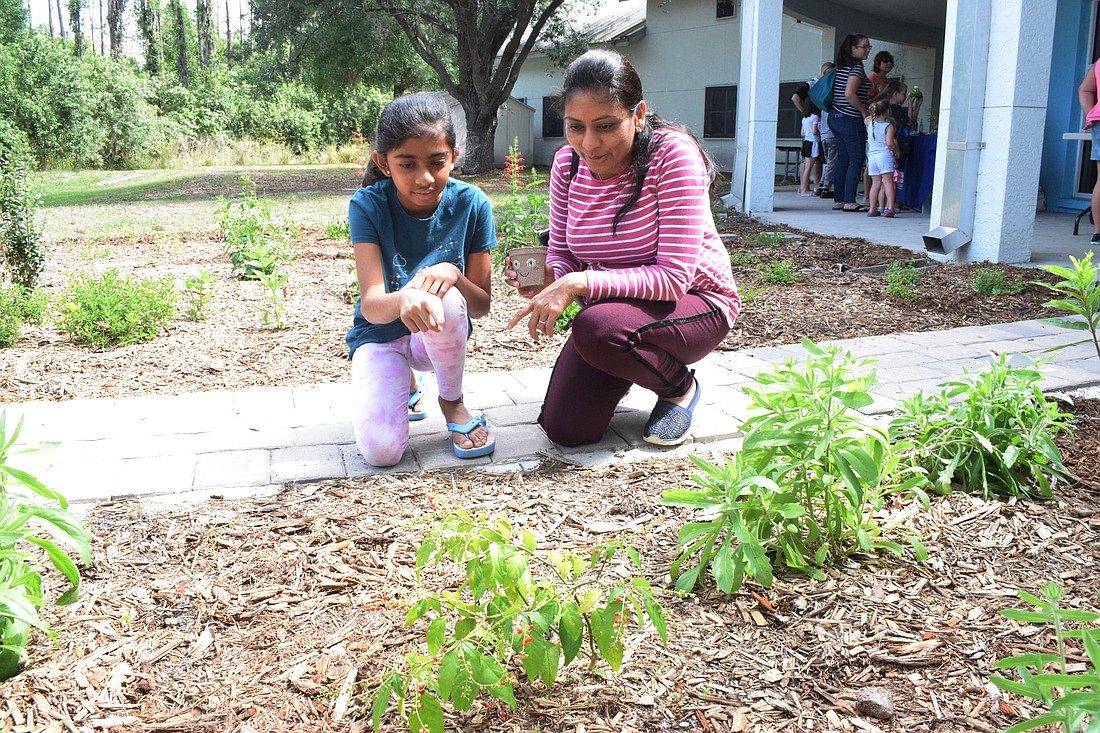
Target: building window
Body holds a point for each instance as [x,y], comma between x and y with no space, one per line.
[720,112]
[789,121]
[727,9]
[552,124]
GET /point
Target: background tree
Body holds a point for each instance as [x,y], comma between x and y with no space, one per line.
[60,20]
[474,48]
[115,11]
[149,32]
[204,30]
[13,19]
[75,8]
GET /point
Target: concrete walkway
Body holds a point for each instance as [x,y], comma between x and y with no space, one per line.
[252,441]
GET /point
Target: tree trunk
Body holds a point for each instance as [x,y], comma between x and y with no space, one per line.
[181,42]
[115,9]
[49,9]
[61,22]
[102,43]
[75,26]
[228,35]
[481,128]
[204,25]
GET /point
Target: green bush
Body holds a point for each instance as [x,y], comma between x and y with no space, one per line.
[778,272]
[806,486]
[254,243]
[991,281]
[115,311]
[991,432]
[21,248]
[18,306]
[900,279]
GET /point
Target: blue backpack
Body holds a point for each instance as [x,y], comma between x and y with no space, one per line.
[821,92]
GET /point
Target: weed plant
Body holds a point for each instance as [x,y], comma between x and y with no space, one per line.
[517,606]
[764,239]
[338,229]
[273,308]
[199,289]
[778,272]
[1080,293]
[806,486]
[991,281]
[19,306]
[900,279]
[991,432]
[29,535]
[565,320]
[115,311]
[739,258]
[1072,699]
[254,243]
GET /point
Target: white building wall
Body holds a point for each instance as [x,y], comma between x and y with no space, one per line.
[917,66]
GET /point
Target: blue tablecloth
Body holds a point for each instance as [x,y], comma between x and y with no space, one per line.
[920,168]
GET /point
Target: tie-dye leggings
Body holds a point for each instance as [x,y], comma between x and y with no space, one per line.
[380,381]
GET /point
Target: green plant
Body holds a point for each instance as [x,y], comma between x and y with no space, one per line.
[1072,699]
[900,279]
[274,305]
[525,210]
[515,605]
[21,248]
[764,239]
[991,281]
[739,258]
[199,289]
[115,311]
[11,316]
[565,320]
[805,486]
[338,230]
[254,243]
[24,522]
[991,431]
[777,272]
[1081,295]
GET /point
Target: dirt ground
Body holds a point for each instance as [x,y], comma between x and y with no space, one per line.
[262,615]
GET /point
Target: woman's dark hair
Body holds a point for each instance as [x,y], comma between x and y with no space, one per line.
[882,57]
[608,74]
[844,55]
[414,115]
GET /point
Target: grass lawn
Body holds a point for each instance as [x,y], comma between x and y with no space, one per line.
[97,204]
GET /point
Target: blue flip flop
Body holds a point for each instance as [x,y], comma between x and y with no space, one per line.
[670,424]
[415,397]
[476,451]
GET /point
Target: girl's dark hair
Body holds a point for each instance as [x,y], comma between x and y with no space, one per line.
[414,115]
[882,57]
[844,55]
[891,88]
[808,108]
[607,74]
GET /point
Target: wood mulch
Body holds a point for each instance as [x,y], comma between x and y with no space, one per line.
[261,615]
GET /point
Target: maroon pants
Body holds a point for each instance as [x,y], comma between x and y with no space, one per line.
[616,343]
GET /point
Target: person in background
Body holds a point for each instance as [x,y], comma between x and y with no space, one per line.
[828,154]
[422,254]
[1087,97]
[846,119]
[633,237]
[801,98]
[811,148]
[880,73]
[882,152]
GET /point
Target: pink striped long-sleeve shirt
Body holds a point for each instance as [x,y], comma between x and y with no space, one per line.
[663,247]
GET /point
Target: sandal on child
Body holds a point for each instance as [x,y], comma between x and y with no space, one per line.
[414,399]
[476,451]
[874,212]
[889,213]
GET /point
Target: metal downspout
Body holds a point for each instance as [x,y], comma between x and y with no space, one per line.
[962,149]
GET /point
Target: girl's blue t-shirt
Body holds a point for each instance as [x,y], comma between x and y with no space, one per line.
[461,225]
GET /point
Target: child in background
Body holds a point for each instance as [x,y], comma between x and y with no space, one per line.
[828,152]
[882,152]
[421,244]
[811,146]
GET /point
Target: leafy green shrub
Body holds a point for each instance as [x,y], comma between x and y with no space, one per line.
[1081,296]
[991,281]
[19,306]
[516,605]
[778,272]
[565,320]
[21,248]
[338,230]
[900,279]
[805,486]
[254,243]
[1072,699]
[743,259]
[25,523]
[115,311]
[991,432]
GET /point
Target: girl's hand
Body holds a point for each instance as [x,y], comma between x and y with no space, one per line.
[528,291]
[437,279]
[548,303]
[420,311]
